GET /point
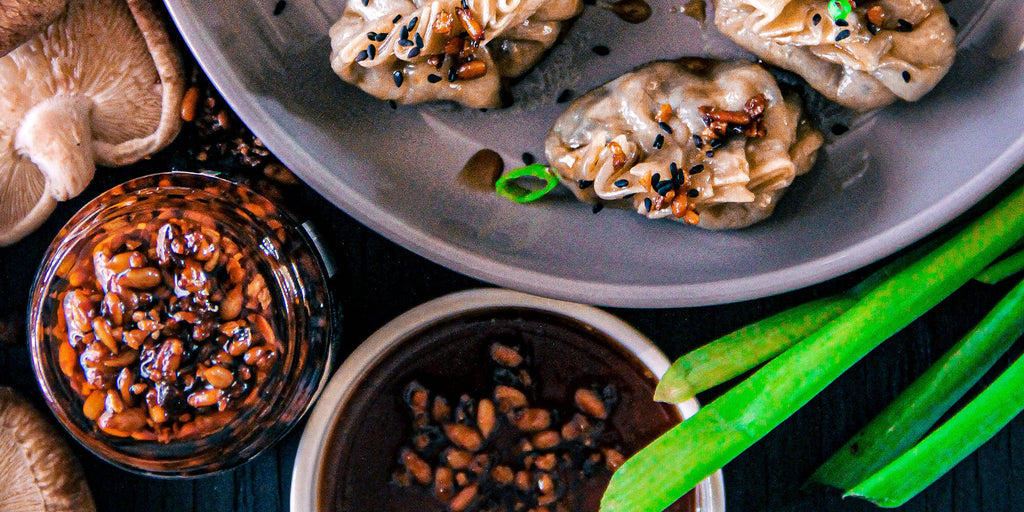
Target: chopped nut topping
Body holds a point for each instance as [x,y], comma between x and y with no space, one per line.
[472,26]
[618,155]
[664,113]
[443,22]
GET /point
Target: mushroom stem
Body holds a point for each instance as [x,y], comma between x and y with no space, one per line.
[56,135]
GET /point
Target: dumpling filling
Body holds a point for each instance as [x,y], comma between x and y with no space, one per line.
[883,50]
[413,51]
[708,143]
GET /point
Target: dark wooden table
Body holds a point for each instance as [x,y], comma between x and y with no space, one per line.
[378,280]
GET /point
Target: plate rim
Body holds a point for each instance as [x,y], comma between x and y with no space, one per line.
[478,266]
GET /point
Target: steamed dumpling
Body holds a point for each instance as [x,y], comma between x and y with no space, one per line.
[712,144]
[413,51]
[855,63]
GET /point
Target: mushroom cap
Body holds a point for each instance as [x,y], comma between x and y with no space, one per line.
[37,470]
[21,19]
[102,85]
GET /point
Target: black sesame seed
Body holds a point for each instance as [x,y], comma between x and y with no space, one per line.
[452,73]
[432,78]
[843,34]
[529,159]
[666,127]
[664,187]
[366,2]
[601,50]
[673,168]
[393,104]
[371,51]
[279,7]
[659,141]
[693,193]
[372,36]
[564,96]
[716,143]
[419,40]
[842,23]
[413,22]
[872,28]
[709,154]
[648,203]
[697,169]
[597,207]
[404,42]
[585,184]
[396,18]
[414,52]
[903,25]
[621,183]
[697,141]
[361,56]
[404,33]
[816,19]
[655,179]
[906,76]
[381,37]
[399,78]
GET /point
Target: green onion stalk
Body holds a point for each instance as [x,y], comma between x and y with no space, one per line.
[674,463]
[907,419]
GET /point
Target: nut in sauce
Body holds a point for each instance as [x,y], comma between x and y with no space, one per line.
[180,358]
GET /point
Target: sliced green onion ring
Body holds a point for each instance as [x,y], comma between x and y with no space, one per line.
[509,189]
[839,9]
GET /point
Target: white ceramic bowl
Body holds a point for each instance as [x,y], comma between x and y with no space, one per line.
[899,174]
[312,449]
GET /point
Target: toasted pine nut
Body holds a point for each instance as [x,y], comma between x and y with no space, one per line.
[204,397]
[485,417]
[141,278]
[588,402]
[463,436]
[189,104]
[463,499]
[231,306]
[94,404]
[218,377]
[471,70]
[471,25]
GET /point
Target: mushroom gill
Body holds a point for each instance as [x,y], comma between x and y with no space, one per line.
[38,473]
[102,85]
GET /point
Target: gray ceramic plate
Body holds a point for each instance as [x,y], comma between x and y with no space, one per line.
[899,174]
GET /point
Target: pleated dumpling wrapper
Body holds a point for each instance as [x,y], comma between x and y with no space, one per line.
[414,51]
[882,51]
[713,144]
[102,85]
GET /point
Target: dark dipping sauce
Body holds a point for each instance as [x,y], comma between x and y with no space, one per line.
[452,358]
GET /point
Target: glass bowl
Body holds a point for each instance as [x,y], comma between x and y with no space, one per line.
[180,324]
